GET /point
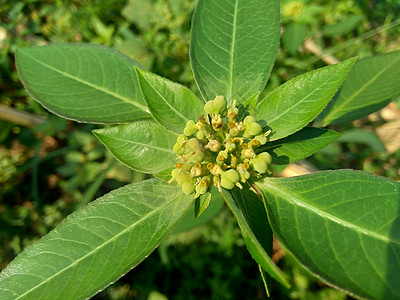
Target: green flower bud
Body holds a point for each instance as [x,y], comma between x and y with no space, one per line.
[262,139]
[190,128]
[188,187]
[252,129]
[230,147]
[195,151]
[248,120]
[260,162]
[201,135]
[216,106]
[182,176]
[229,179]
[243,173]
[219,102]
[179,147]
[209,108]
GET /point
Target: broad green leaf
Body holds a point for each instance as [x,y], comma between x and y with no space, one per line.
[297,102]
[190,221]
[233,46]
[170,103]
[299,145]
[253,210]
[371,84]
[86,83]
[344,226]
[96,245]
[255,246]
[144,146]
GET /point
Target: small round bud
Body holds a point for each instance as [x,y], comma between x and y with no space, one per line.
[188,187]
[194,151]
[220,102]
[252,129]
[190,128]
[229,179]
[262,139]
[230,147]
[209,108]
[181,176]
[216,106]
[248,120]
[179,147]
[260,162]
[244,175]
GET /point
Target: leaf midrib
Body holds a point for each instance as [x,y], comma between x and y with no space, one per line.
[140,144]
[329,216]
[232,53]
[111,93]
[172,108]
[287,111]
[130,227]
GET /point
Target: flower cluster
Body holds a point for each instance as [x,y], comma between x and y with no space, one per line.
[219,150]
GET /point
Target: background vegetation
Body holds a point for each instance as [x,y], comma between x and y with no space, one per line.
[50,167]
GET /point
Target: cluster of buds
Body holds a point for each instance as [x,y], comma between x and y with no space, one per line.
[219,150]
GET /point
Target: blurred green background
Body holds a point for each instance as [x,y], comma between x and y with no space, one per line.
[49,166]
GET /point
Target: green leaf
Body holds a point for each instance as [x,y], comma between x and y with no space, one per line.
[190,221]
[86,83]
[297,102]
[343,27]
[201,203]
[170,103]
[233,46]
[144,146]
[294,36]
[344,226]
[371,84]
[254,245]
[363,137]
[298,145]
[96,245]
[253,210]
